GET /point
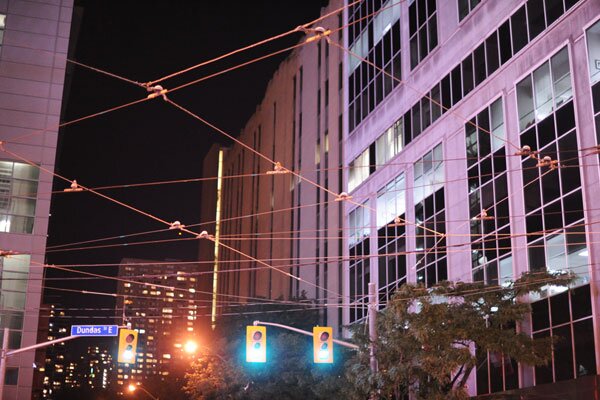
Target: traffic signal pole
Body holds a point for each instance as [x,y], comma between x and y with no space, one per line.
[6,353]
[307,333]
[372,315]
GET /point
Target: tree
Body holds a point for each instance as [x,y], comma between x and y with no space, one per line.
[427,337]
[289,372]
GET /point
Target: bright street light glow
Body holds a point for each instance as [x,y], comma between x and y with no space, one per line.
[131,387]
[190,346]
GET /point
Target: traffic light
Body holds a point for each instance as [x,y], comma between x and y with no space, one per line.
[323,344]
[256,344]
[127,345]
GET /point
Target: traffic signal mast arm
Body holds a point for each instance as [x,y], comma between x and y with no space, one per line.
[307,333]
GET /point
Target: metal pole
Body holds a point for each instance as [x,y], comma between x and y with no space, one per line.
[307,333]
[372,314]
[148,393]
[3,360]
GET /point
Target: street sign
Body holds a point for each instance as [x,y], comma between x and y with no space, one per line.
[94,330]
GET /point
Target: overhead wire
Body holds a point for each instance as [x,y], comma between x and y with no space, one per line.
[426,292]
[260,43]
[181,227]
[147,85]
[367,195]
[507,142]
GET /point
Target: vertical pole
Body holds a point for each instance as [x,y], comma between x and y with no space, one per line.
[372,314]
[3,360]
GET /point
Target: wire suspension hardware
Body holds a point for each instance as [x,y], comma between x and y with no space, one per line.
[155,91]
[317,33]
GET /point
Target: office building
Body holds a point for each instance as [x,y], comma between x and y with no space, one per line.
[472,146]
[34,39]
[298,124]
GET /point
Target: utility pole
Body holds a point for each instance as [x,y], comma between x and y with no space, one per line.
[3,361]
[372,315]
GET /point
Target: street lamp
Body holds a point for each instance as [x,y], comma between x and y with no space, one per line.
[133,387]
[192,346]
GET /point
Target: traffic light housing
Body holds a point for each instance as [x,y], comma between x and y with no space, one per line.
[323,344]
[256,344]
[128,339]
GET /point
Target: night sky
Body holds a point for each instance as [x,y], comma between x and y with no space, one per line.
[152,141]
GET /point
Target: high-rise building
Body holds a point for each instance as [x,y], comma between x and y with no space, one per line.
[52,370]
[164,312]
[298,125]
[95,367]
[34,39]
[470,143]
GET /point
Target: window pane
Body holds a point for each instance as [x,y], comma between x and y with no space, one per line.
[491,50]
[525,103]
[585,358]
[561,77]
[12,376]
[535,16]
[479,64]
[554,9]
[563,353]
[505,43]
[467,74]
[593,40]
[463,9]
[543,92]
[497,125]
[518,25]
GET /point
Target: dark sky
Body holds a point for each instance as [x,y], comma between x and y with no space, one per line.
[152,141]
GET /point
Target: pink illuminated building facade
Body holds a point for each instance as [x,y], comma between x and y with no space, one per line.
[433,143]
[34,39]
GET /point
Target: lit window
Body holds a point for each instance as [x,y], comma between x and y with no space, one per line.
[546,89]
[18,192]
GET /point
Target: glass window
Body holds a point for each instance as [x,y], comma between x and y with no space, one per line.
[391,201]
[14,273]
[574,353]
[593,42]
[429,174]
[18,192]
[389,143]
[429,196]
[488,195]
[465,7]
[518,27]
[359,273]
[2,25]
[12,376]
[359,170]
[542,92]
[422,29]
[376,37]
[546,89]
[535,17]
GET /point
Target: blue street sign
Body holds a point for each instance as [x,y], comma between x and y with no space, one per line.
[94,330]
